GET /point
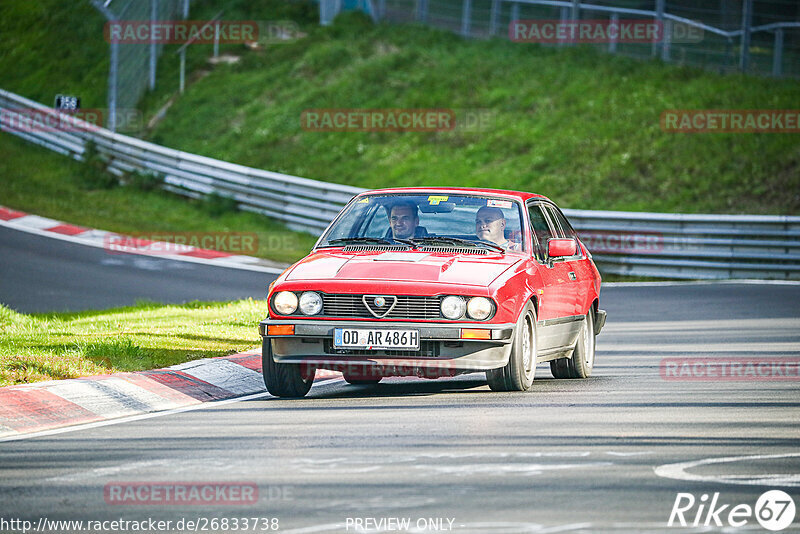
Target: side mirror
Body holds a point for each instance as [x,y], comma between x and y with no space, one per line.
[559,248]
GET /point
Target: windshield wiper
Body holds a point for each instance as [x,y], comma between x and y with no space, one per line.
[457,241]
[371,240]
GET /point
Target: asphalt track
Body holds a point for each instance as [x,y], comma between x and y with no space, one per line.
[43,274]
[595,455]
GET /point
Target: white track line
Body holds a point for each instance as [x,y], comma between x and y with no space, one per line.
[678,472]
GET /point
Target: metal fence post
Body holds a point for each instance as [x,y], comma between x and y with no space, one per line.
[113,69]
[153,45]
[747,21]
[494,17]
[422,11]
[660,20]
[777,54]
[381,9]
[612,42]
[216,39]
[514,11]
[466,15]
[576,10]
[564,19]
[667,40]
[183,70]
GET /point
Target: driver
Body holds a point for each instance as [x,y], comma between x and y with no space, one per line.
[404,219]
[490,225]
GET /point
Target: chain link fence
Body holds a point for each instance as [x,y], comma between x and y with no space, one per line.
[133,66]
[760,37]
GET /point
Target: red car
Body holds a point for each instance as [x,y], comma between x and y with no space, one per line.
[436,282]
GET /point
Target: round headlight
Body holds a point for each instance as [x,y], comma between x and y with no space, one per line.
[453,307]
[285,303]
[479,308]
[310,303]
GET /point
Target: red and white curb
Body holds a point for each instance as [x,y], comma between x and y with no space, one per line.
[35,224]
[30,408]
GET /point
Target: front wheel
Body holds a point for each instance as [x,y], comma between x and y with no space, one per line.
[284,379]
[518,373]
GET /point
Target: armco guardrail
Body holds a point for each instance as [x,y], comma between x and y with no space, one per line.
[643,244]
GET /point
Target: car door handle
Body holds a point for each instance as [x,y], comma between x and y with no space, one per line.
[572,275]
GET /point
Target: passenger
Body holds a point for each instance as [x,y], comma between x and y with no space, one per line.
[490,225]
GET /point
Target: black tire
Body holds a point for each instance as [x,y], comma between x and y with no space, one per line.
[283,379]
[560,368]
[518,373]
[581,363]
[361,381]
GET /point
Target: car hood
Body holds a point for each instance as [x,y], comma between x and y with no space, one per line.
[466,269]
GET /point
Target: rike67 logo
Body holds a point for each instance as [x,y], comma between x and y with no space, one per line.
[774,510]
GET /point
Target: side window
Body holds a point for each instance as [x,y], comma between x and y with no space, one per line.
[563,228]
[540,230]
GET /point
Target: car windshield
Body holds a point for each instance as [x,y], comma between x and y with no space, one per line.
[429,219]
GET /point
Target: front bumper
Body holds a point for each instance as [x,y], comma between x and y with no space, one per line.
[441,346]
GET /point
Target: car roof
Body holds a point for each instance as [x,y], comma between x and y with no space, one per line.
[521,195]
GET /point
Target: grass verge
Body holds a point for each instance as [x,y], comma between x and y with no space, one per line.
[146,336]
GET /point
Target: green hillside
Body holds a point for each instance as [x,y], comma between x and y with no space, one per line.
[579,126]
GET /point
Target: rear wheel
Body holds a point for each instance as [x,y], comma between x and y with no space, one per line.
[518,373]
[581,363]
[284,379]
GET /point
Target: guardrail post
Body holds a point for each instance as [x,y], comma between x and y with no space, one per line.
[747,21]
[153,45]
[777,54]
[466,15]
[494,17]
[612,42]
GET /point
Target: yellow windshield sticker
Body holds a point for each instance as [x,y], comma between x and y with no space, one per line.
[434,200]
[364,200]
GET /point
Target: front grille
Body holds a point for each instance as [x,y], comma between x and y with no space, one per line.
[427,349]
[408,307]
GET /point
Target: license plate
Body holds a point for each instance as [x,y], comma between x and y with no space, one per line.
[374,338]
